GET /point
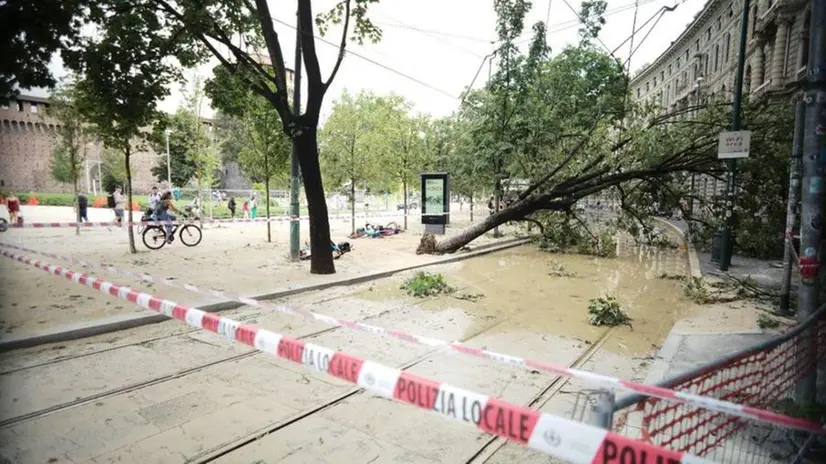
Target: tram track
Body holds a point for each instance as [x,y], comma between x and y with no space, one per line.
[168,377]
[234,445]
[245,318]
[546,394]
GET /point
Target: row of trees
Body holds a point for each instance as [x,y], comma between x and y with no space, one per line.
[373,143]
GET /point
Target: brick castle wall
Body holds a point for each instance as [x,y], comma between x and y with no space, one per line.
[28,137]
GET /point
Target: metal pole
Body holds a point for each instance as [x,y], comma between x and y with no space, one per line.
[792,206]
[603,412]
[726,242]
[295,211]
[168,162]
[812,191]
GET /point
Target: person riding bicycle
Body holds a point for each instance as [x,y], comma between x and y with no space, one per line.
[162,213]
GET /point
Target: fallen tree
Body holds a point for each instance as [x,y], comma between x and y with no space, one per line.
[628,164]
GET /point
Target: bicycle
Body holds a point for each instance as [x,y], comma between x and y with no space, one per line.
[155,235]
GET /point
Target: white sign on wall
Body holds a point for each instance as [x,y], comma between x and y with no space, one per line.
[734,144]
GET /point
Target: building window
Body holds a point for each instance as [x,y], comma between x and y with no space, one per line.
[678,64]
[669,69]
[638,93]
[33,107]
[696,45]
[719,24]
[754,21]
[716,57]
[655,82]
[728,46]
[647,87]
[804,42]
[708,34]
[20,106]
[686,55]
[730,11]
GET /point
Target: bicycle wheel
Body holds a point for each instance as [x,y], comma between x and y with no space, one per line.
[4,225]
[154,237]
[190,235]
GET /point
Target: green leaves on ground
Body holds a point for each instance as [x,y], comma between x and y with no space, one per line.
[424,284]
[606,310]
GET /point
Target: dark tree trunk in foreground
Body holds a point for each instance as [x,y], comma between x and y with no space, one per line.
[321,259]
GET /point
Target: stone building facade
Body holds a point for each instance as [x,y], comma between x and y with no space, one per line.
[700,65]
[701,62]
[28,137]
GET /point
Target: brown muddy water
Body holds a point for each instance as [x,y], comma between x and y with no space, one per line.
[523,299]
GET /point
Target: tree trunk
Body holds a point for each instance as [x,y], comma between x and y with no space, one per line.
[404,189]
[352,206]
[131,231]
[267,203]
[497,194]
[471,207]
[76,201]
[455,242]
[321,260]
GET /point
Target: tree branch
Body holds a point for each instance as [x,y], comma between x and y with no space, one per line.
[273,45]
[308,51]
[571,153]
[342,47]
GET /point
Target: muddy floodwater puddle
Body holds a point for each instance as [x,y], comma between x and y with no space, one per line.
[524,298]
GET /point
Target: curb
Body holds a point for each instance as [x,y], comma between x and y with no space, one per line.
[128,321]
[693,260]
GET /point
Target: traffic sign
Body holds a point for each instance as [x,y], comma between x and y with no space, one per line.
[734,144]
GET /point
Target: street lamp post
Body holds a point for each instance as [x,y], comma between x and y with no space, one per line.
[726,241]
[168,161]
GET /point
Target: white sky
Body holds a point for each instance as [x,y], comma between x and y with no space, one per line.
[442,44]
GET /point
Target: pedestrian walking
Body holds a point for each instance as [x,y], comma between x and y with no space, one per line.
[82,207]
[120,204]
[231,206]
[245,209]
[253,207]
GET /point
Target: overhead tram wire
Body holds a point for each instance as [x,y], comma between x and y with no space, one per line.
[374,62]
[433,35]
[651,29]
[565,25]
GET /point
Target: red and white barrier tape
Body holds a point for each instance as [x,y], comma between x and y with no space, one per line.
[84,225]
[559,437]
[650,390]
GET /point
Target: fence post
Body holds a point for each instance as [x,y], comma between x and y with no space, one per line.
[603,413]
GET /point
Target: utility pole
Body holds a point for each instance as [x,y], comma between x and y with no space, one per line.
[791,207]
[295,211]
[812,192]
[727,242]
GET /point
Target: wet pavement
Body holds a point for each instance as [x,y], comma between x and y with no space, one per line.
[165,393]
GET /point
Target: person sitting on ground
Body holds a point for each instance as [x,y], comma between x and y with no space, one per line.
[162,213]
